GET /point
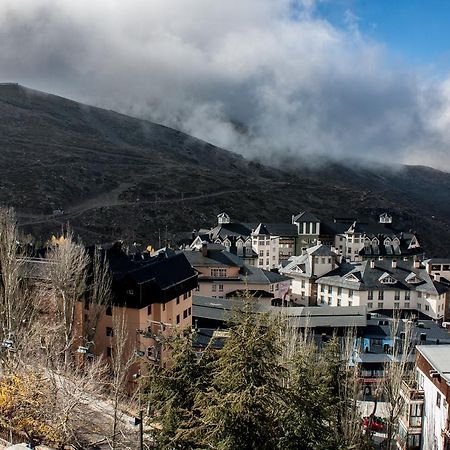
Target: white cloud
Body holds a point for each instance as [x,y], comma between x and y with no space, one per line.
[298,85]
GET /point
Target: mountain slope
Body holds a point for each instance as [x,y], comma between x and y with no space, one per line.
[114,176]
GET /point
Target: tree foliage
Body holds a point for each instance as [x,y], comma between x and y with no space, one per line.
[25,407]
[262,390]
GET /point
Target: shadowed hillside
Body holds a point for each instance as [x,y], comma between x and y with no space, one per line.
[113,176]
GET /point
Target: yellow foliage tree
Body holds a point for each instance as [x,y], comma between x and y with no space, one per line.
[25,407]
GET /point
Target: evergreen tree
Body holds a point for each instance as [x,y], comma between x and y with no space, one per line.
[241,409]
[171,391]
[305,417]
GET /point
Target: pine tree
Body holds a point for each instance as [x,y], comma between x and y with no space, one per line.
[171,392]
[241,409]
[306,414]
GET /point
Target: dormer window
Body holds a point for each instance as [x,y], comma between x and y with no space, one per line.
[396,241]
[412,278]
[386,278]
[387,241]
[351,277]
[375,241]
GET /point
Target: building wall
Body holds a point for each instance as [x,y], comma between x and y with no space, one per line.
[268,250]
[431,305]
[175,313]
[436,413]
[222,287]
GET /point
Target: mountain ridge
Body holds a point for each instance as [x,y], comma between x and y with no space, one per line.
[114,176]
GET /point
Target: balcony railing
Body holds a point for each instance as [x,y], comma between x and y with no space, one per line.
[411,392]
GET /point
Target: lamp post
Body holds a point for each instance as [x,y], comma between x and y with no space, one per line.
[140,421]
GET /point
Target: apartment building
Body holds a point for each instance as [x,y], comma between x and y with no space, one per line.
[305,269]
[425,421]
[222,274]
[152,294]
[384,284]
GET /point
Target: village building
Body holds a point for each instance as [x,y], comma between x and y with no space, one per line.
[305,269]
[425,421]
[224,274]
[152,294]
[384,284]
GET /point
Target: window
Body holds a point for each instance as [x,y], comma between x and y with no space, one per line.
[406,305]
[330,289]
[438,400]
[218,272]
[178,300]
[108,352]
[370,295]
[109,332]
[86,304]
[186,295]
[339,302]
[323,260]
[267,253]
[185,313]
[370,305]
[419,306]
[149,310]
[350,303]
[329,260]
[178,319]
[322,288]
[303,284]
[190,310]
[163,306]
[407,295]
[419,295]
[350,293]
[220,287]
[380,305]
[397,295]
[267,261]
[349,250]
[108,311]
[339,291]
[427,307]
[261,261]
[214,287]
[396,305]
[130,292]
[261,253]
[380,295]
[329,300]
[322,299]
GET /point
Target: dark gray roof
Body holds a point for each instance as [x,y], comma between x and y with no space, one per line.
[305,216]
[214,258]
[261,229]
[221,309]
[360,276]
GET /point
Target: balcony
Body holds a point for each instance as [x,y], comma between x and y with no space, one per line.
[411,392]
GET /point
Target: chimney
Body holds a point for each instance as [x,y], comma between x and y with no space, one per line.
[204,248]
[394,263]
[372,263]
[194,234]
[416,263]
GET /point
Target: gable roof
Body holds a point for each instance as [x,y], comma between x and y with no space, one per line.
[305,216]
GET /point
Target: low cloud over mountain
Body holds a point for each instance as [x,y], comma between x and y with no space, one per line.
[266,78]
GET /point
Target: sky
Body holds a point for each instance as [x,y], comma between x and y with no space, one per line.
[356,81]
